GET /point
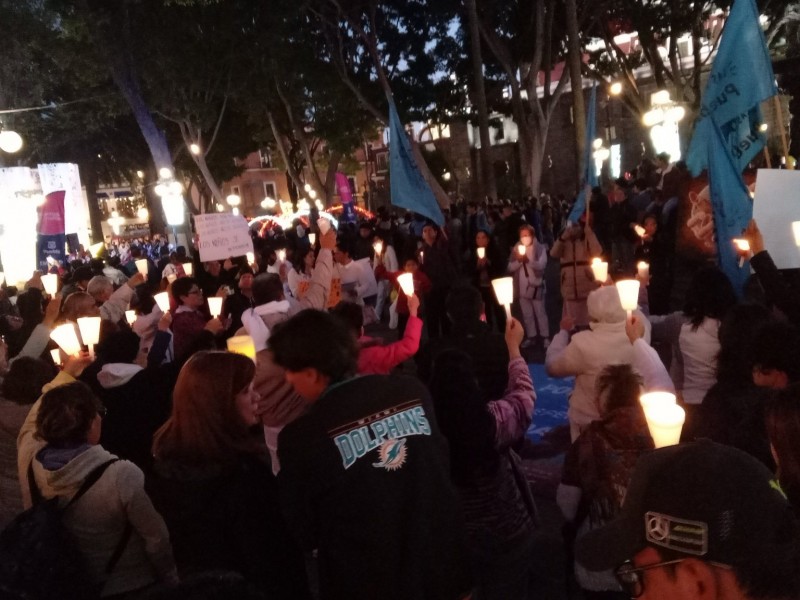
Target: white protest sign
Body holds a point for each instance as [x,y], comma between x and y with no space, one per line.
[775,206]
[222,236]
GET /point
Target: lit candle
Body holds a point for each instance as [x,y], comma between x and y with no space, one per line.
[90,332]
[406,281]
[141,266]
[215,306]
[504,292]
[628,290]
[656,399]
[665,422]
[312,238]
[242,344]
[643,269]
[599,269]
[743,246]
[188,268]
[282,255]
[162,300]
[324,225]
[521,249]
[795,231]
[378,247]
[55,353]
[65,336]
[130,316]
[50,282]
[640,231]
[481,253]
[421,256]
[171,277]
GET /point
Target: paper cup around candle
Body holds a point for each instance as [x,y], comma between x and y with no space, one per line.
[312,238]
[600,270]
[406,281]
[643,269]
[162,300]
[795,231]
[171,278]
[242,344]
[656,399]
[215,306]
[141,266]
[251,258]
[130,316]
[665,422]
[65,336]
[50,282]
[90,331]
[504,292]
[55,353]
[481,253]
[188,268]
[421,256]
[628,294]
[324,225]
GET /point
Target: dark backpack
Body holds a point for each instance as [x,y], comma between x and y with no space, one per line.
[39,559]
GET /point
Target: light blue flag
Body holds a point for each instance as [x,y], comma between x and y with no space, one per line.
[408,187]
[732,207]
[741,78]
[590,174]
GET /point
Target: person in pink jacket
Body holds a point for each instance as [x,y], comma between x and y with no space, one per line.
[374,358]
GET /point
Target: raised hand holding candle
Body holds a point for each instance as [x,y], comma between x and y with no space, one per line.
[50,283]
[215,306]
[600,270]
[378,247]
[521,249]
[640,231]
[171,277]
[643,270]
[65,336]
[628,290]
[162,300]
[481,253]
[130,316]
[665,422]
[188,268]
[141,266]
[504,292]
[242,344]
[406,281]
[743,246]
[90,332]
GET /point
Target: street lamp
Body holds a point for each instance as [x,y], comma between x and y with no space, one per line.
[10,141]
[194,149]
[662,119]
[234,201]
[268,203]
[171,193]
[600,154]
[615,89]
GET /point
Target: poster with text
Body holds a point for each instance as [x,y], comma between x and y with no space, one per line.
[221,236]
[775,207]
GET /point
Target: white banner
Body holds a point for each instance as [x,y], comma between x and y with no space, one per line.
[222,236]
[775,206]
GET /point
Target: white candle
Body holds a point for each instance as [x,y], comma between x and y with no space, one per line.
[312,238]
[795,231]
[406,281]
[242,344]
[188,268]
[521,249]
[742,245]
[282,255]
[162,300]
[628,290]
[643,269]
[55,353]
[600,270]
[665,422]
[65,336]
[130,316]
[215,306]
[421,256]
[504,292]
[50,282]
[141,266]
[251,258]
[656,399]
[378,247]
[640,231]
[481,253]
[324,225]
[90,331]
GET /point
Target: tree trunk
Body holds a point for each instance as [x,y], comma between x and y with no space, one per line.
[89,178]
[330,176]
[488,185]
[575,60]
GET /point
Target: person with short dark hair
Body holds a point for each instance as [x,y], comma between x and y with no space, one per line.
[364,472]
[59,445]
[192,330]
[700,521]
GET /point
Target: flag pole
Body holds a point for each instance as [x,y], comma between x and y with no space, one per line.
[781,129]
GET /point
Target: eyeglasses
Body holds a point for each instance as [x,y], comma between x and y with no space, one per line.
[630,577]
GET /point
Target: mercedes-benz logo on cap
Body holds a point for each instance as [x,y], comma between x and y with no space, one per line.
[657,527]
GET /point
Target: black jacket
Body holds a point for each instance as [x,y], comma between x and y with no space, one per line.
[365,480]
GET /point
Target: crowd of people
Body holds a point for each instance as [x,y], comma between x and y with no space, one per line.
[315,469]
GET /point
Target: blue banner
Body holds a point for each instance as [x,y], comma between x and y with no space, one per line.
[741,78]
[408,187]
[590,174]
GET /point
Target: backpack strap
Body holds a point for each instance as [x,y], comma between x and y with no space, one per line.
[121,545]
[36,495]
[90,480]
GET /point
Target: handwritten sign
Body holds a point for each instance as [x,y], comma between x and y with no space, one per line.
[221,236]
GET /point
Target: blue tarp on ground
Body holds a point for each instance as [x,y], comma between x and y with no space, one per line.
[552,399]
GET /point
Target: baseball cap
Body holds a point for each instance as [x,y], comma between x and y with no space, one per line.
[700,499]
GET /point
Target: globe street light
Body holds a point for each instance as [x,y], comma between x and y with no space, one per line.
[10,141]
[234,201]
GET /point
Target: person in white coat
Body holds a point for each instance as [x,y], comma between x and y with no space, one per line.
[527,268]
[605,343]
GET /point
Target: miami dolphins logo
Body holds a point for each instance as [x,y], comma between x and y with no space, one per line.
[393,455]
